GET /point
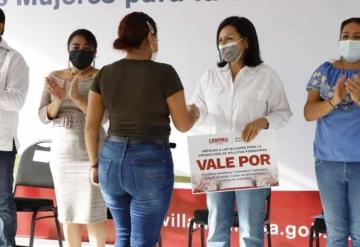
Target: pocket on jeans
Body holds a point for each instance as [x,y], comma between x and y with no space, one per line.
[104,169]
[152,175]
[317,162]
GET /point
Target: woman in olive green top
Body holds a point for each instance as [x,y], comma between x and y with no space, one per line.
[135,164]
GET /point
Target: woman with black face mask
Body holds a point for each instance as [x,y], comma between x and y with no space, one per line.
[64,104]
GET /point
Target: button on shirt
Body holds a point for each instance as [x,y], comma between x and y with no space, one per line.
[14,81]
[226,106]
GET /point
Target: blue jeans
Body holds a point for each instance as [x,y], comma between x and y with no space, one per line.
[136,182]
[251,210]
[339,185]
[7,204]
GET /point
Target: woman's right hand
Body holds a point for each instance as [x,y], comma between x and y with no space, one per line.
[194,111]
[340,91]
[57,91]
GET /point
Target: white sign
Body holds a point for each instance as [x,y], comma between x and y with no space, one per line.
[225,162]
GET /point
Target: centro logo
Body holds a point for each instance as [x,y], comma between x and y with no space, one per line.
[219,140]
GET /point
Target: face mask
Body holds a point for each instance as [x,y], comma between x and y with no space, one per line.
[350,50]
[230,52]
[81,59]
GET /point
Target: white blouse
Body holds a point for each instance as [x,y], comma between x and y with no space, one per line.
[226,106]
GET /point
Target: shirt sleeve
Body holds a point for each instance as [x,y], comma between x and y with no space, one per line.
[95,86]
[316,78]
[12,96]
[172,82]
[198,97]
[279,112]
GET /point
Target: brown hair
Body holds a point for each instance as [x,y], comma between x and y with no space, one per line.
[133,29]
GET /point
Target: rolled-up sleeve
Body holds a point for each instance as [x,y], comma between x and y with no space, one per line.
[198,97]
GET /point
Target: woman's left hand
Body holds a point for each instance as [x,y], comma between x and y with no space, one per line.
[253,128]
[353,87]
[73,90]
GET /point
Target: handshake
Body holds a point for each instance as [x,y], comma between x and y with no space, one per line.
[193,111]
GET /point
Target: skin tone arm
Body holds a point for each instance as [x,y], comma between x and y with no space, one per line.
[253,128]
[184,117]
[79,100]
[58,94]
[94,116]
[316,108]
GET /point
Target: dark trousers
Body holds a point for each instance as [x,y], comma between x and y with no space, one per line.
[7,204]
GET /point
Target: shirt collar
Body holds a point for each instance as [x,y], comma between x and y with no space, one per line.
[4,45]
[244,70]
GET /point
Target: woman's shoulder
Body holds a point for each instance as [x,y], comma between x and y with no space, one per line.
[136,63]
[265,70]
[325,67]
[62,74]
[216,70]
[162,66]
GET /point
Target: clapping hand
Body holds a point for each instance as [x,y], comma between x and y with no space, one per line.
[57,91]
[340,91]
[73,91]
[353,87]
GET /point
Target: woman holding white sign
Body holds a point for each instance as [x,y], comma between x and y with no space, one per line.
[240,95]
[334,101]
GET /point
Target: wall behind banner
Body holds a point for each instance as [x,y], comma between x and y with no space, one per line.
[295,37]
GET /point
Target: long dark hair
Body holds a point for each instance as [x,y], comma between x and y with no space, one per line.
[2,16]
[247,30]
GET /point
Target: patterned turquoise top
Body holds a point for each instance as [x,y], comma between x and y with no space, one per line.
[337,135]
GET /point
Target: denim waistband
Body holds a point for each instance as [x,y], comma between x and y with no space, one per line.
[141,140]
[138,140]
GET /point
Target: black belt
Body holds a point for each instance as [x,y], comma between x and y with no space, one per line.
[141,140]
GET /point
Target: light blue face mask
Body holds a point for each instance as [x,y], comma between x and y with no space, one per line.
[350,50]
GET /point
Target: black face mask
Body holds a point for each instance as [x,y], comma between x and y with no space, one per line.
[81,59]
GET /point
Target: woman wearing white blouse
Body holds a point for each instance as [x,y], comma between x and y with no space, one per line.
[240,95]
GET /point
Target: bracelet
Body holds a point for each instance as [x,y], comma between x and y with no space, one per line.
[333,106]
[95,166]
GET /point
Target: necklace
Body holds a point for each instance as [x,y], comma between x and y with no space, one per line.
[87,73]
